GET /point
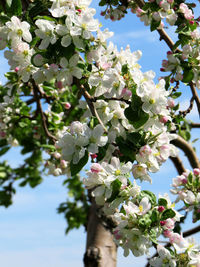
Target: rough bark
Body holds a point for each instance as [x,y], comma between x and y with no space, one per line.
[101,250]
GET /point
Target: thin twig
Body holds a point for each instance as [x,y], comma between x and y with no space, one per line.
[194,125]
[43,117]
[189,109]
[90,101]
[113,98]
[195,95]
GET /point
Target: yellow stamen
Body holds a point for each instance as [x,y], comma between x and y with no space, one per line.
[117,172]
[19,32]
[141,208]
[152,101]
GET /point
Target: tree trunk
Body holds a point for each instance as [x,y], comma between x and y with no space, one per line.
[101,250]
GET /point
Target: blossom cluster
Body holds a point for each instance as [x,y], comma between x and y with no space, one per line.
[139,217]
[182,64]
[187,189]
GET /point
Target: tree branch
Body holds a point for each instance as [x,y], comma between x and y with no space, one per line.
[188,110]
[43,117]
[178,164]
[195,95]
[191,231]
[90,101]
[189,151]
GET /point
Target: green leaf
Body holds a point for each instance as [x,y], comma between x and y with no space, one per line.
[49,147]
[154,216]
[4,19]
[168,213]
[45,18]
[124,69]
[188,75]
[136,116]
[16,7]
[140,120]
[162,202]
[22,124]
[153,236]
[116,185]
[3,175]
[4,150]
[76,168]
[5,198]
[185,134]
[57,107]
[126,148]
[176,45]
[102,152]
[190,178]
[154,25]
[102,3]
[176,95]
[144,222]
[137,138]
[150,195]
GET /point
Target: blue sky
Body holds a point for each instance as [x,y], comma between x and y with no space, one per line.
[31,232]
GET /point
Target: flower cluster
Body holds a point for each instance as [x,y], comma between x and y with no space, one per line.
[183,64]
[139,217]
[190,255]
[187,188]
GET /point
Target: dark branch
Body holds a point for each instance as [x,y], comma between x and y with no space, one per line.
[195,95]
[39,108]
[189,151]
[178,164]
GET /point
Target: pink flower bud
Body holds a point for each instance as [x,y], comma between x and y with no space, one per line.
[59,85]
[126,93]
[169,53]
[116,234]
[171,102]
[67,105]
[93,156]
[165,63]
[191,22]
[161,208]
[167,233]
[96,168]
[162,223]
[139,12]
[63,163]
[164,119]
[172,80]
[196,171]
[184,181]
[56,155]
[16,69]
[106,65]
[2,134]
